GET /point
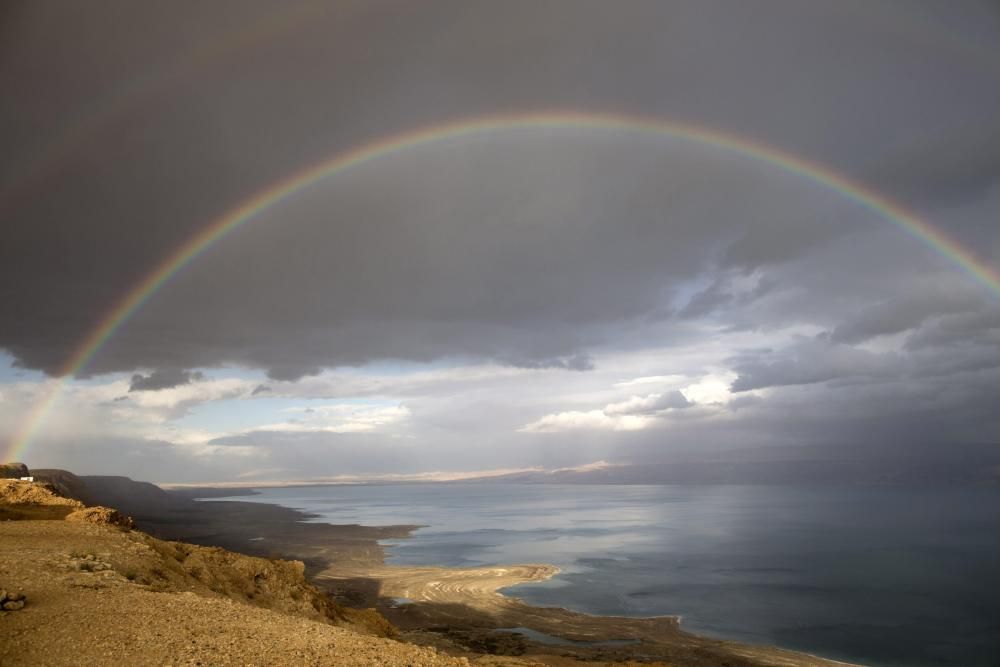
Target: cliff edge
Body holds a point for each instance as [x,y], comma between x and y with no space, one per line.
[98,593]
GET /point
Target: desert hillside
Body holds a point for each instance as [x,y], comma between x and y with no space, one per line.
[98,593]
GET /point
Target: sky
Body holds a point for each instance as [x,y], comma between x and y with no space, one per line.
[517,297]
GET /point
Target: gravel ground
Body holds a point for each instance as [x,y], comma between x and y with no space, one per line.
[97,616]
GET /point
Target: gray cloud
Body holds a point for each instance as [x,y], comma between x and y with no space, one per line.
[724,295]
[898,315]
[982,326]
[942,169]
[163,378]
[437,248]
[575,362]
[542,251]
[810,361]
[504,250]
[648,404]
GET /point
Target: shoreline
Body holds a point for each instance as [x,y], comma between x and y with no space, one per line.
[456,610]
[478,589]
[432,583]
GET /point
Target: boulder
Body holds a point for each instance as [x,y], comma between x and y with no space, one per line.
[104,516]
[14,492]
[11,601]
[13,470]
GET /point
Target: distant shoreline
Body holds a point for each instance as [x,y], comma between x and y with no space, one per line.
[349,561]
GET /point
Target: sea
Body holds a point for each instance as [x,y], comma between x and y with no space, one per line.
[885,576]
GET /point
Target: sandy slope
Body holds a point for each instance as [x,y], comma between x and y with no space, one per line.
[100,616]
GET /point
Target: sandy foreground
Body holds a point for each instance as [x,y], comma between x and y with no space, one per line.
[103,617]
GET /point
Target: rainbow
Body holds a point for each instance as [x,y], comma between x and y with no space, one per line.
[278,192]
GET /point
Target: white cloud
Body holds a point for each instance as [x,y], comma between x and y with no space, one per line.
[591,420]
[650,404]
[193,393]
[712,389]
[657,380]
[340,418]
[638,412]
[587,467]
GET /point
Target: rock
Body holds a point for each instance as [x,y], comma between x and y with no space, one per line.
[13,470]
[13,605]
[11,597]
[67,485]
[14,492]
[101,515]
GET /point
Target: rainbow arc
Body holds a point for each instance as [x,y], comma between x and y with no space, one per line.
[276,193]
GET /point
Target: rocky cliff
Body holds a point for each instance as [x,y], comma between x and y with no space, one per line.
[96,592]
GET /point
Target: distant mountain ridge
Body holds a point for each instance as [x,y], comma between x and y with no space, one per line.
[896,463]
[67,484]
[123,493]
[960,464]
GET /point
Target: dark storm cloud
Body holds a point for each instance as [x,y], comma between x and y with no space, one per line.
[505,250]
[906,420]
[723,294]
[806,362]
[715,296]
[942,347]
[981,327]
[528,249]
[942,170]
[163,378]
[901,313]
[575,362]
[290,371]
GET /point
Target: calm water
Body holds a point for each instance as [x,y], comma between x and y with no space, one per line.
[878,575]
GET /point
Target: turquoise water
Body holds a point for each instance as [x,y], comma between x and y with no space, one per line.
[884,576]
